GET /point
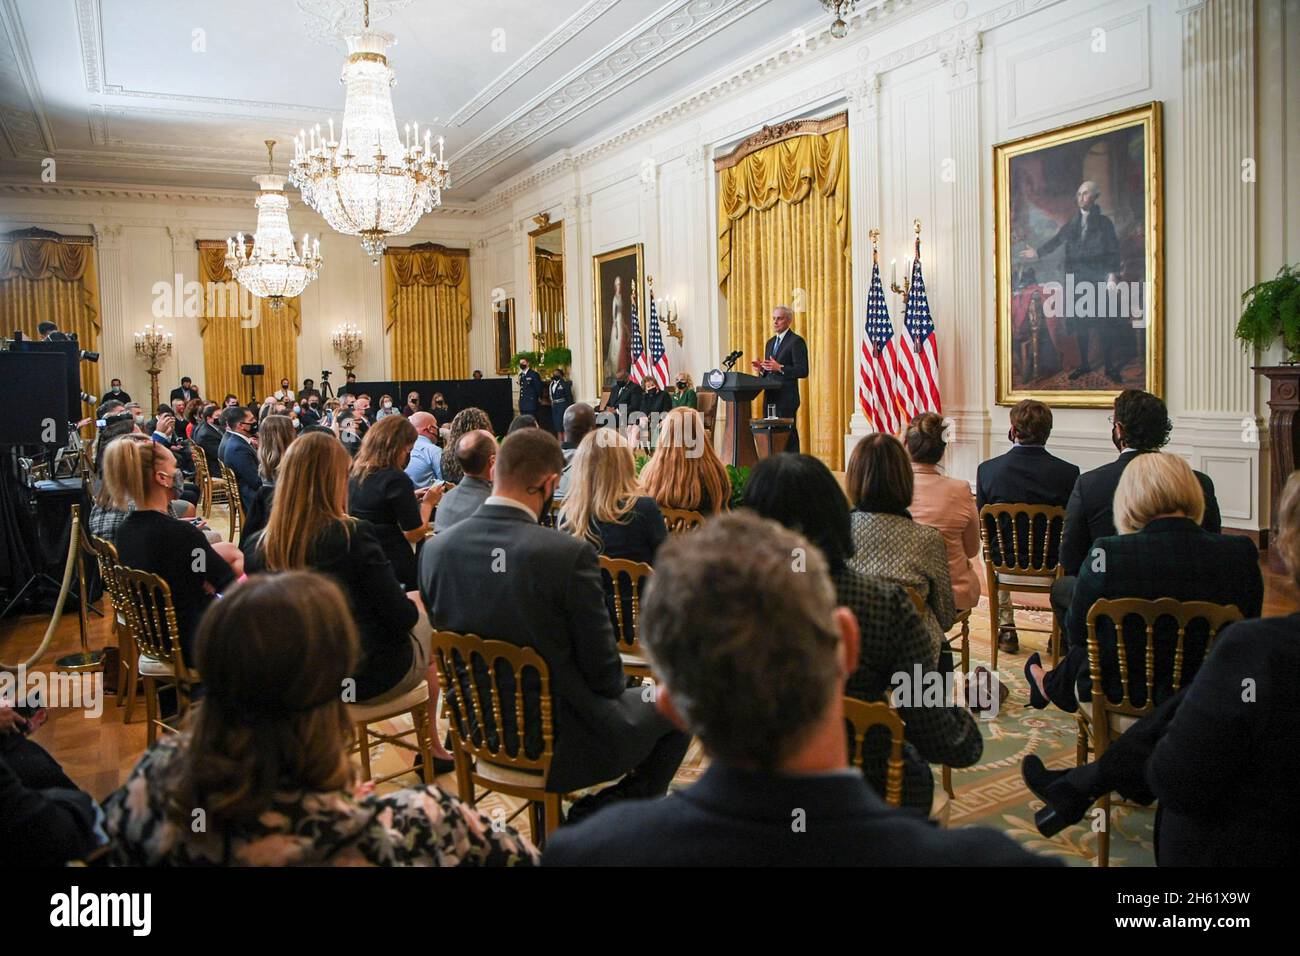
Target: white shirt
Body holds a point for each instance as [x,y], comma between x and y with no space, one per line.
[511,503]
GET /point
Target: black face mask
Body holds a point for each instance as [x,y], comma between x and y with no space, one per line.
[681,384]
[1115,439]
[556,376]
[252,428]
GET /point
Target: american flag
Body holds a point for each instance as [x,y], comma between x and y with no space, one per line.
[640,367]
[658,359]
[876,392]
[918,359]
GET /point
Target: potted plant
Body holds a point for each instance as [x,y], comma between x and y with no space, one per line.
[1272,309]
[557,356]
[533,359]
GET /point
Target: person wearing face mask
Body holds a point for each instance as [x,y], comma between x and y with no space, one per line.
[685,392]
[1139,424]
[143,474]
[309,412]
[561,398]
[386,408]
[285,392]
[1027,474]
[551,600]
[655,404]
[530,389]
[412,405]
[238,451]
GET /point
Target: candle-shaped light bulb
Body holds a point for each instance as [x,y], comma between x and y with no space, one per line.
[315,248]
[331,129]
[893,271]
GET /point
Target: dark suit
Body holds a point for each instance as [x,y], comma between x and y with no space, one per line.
[561,399]
[184,394]
[1170,557]
[530,392]
[783,388]
[239,456]
[209,439]
[1091,257]
[627,394]
[734,817]
[1027,474]
[550,598]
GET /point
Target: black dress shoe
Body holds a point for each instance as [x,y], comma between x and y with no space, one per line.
[440,766]
[1113,374]
[1079,372]
[1037,777]
[1008,640]
[1036,698]
[1065,806]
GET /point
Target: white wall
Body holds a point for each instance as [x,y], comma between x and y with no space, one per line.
[922,84]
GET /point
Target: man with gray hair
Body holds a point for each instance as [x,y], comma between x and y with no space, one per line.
[1091,257]
[785,361]
[751,654]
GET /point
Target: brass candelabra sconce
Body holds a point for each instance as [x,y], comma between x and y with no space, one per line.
[665,310]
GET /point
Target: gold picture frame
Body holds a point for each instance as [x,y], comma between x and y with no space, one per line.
[503,318]
[627,263]
[1051,326]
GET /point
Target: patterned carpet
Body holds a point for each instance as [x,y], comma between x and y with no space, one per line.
[991,793]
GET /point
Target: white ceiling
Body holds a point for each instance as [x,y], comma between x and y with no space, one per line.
[183,92]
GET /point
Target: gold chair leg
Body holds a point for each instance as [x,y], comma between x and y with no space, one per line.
[363,736]
[947,782]
[151,709]
[132,678]
[994,597]
[552,808]
[1103,838]
[423,737]
[464,782]
[536,822]
[1055,641]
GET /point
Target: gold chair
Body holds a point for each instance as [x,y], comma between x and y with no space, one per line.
[626,612]
[415,703]
[863,715]
[680,519]
[1027,569]
[964,620]
[470,669]
[152,619]
[210,489]
[127,659]
[1104,719]
[233,501]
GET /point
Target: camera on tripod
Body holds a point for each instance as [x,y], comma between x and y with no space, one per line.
[324,375]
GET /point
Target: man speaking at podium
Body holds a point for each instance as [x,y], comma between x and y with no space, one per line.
[785,361]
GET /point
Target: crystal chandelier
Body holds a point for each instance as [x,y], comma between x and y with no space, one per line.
[368,182]
[839,29]
[274,270]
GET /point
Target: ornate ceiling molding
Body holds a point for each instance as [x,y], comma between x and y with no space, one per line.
[328,21]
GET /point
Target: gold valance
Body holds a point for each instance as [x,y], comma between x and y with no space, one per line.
[36,255]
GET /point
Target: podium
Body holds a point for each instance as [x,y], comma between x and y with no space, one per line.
[738,390]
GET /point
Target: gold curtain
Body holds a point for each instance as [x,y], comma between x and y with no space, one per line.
[550,298]
[428,315]
[51,278]
[268,337]
[783,239]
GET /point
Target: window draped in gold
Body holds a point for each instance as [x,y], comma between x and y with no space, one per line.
[783,239]
[428,312]
[550,298]
[271,341]
[48,277]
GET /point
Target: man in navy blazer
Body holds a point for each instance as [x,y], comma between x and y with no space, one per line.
[751,654]
[785,361]
[237,451]
[1027,474]
[1140,423]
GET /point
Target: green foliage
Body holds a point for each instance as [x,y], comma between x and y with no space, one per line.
[1272,309]
[557,357]
[640,462]
[532,358]
[739,477]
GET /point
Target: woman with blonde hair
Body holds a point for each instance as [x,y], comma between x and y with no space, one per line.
[685,392]
[465,421]
[142,473]
[381,492]
[1160,551]
[685,472]
[273,438]
[266,756]
[310,530]
[604,504]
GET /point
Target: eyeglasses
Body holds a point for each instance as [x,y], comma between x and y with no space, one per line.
[1110,419]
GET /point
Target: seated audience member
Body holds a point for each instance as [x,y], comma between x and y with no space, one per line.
[605,506]
[522,421]
[347,427]
[412,404]
[45,818]
[579,420]
[386,408]
[1161,551]
[476,456]
[191,416]
[109,407]
[551,600]
[361,408]
[425,466]
[1139,424]
[143,474]
[441,411]
[477,376]
[273,438]
[800,492]
[380,492]
[238,451]
[310,529]
[685,393]
[1219,760]
[1027,474]
[752,656]
[887,543]
[208,437]
[137,414]
[685,471]
[945,504]
[465,421]
[266,755]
